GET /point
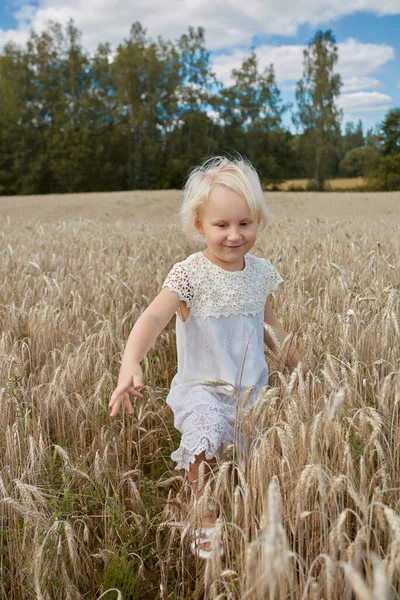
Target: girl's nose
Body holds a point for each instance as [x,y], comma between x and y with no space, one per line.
[234,235]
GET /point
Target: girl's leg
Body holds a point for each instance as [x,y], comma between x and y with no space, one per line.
[207,519]
[193,473]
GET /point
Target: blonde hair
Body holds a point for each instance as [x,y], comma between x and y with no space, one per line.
[237,174]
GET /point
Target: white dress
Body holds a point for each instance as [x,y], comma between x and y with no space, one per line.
[220,349]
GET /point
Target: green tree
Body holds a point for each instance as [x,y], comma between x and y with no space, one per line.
[44,55]
[105,148]
[387,175]
[194,91]
[170,80]
[59,83]
[353,136]
[137,74]
[192,133]
[254,98]
[251,110]
[372,138]
[359,162]
[69,137]
[193,139]
[15,130]
[390,132]
[317,114]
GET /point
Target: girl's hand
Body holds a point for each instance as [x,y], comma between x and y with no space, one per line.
[125,389]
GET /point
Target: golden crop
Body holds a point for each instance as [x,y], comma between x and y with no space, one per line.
[89,505]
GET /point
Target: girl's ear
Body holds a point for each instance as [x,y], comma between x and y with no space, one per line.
[198,225]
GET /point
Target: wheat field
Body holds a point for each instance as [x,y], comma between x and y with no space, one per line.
[339,184]
[93,509]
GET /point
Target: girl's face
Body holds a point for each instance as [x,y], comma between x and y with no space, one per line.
[229,229]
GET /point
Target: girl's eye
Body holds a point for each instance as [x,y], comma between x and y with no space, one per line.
[221,225]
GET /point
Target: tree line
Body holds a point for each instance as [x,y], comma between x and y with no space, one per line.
[140,116]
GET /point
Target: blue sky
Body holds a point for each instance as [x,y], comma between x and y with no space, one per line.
[368,37]
[369,29]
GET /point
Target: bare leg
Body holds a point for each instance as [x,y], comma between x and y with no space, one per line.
[207,519]
[193,473]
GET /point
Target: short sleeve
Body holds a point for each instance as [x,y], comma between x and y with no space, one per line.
[177,281]
[274,278]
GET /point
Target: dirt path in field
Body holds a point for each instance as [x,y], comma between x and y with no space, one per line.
[161,206]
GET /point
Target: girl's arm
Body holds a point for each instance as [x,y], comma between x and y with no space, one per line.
[293,357]
[142,337]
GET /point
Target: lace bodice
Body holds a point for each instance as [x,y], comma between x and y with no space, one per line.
[210,291]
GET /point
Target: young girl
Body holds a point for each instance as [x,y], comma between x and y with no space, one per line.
[221,298]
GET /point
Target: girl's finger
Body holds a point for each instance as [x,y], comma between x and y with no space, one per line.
[121,389]
[128,405]
[137,379]
[133,392]
[114,398]
[115,408]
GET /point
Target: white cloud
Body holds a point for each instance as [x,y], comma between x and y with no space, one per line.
[356,83]
[358,102]
[287,61]
[25,13]
[18,36]
[354,57]
[361,58]
[227,24]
